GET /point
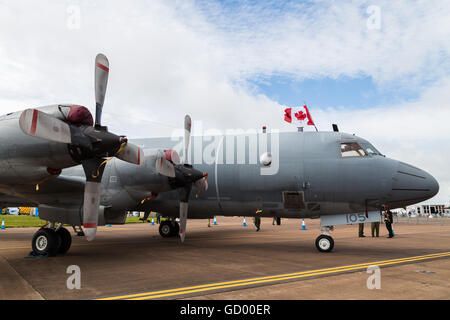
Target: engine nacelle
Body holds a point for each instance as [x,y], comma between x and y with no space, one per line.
[142,180]
[30,159]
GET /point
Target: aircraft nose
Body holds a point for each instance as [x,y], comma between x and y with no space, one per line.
[411,183]
[433,185]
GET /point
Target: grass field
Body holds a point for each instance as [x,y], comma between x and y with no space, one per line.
[23,221]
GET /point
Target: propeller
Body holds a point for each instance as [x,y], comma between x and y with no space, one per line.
[185,177]
[88,144]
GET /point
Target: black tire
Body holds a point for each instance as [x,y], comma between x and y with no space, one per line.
[45,242]
[324,243]
[165,229]
[66,240]
[175,228]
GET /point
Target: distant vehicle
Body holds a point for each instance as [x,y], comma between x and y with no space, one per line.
[13,211]
[25,210]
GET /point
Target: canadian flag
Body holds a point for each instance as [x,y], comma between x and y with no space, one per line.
[298,116]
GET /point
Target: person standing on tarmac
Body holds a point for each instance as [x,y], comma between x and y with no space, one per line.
[361,230]
[388,220]
[257,220]
[375,227]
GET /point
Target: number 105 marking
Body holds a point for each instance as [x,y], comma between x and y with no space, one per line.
[355,217]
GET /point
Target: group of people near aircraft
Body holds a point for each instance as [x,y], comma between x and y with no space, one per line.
[375,226]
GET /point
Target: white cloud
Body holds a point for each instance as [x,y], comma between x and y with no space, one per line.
[168,59]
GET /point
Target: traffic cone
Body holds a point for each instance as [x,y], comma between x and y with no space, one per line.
[244,223]
[3,223]
[215,221]
[153,222]
[303,224]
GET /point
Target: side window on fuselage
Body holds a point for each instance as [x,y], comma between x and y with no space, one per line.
[352,149]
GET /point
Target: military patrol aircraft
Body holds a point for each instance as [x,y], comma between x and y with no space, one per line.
[337,177]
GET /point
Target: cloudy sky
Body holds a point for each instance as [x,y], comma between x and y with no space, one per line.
[380,69]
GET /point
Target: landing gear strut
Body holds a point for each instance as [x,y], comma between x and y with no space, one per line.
[50,241]
[325,242]
[169,229]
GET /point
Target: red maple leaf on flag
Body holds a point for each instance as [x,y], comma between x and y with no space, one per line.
[287,115]
[300,115]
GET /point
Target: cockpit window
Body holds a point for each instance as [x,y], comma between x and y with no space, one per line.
[370,149]
[352,149]
[355,149]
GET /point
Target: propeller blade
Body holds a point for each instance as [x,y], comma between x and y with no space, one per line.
[92,192]
[164,167]
[184,198]
[41,125]
[187,136]
[90,209]
[101,82]
[132,154]
[183,220]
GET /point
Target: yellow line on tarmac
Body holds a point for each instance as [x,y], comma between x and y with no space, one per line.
[268,279]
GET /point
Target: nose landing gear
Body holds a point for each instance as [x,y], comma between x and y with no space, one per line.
[324,242]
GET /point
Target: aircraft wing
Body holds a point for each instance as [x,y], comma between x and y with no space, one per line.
[60,191]
[11,201]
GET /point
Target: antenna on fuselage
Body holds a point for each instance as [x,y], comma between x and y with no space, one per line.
[335,127]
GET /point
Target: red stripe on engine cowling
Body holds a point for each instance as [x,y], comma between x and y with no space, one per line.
[90,225]
[34,122]
[102,67]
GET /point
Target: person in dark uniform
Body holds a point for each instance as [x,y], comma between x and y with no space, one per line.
[361,230]
[388,220]
[375,227]
[257,221]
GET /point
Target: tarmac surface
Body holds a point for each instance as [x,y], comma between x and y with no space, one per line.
[229,261]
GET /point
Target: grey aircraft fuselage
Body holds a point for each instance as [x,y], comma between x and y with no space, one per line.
[307,177]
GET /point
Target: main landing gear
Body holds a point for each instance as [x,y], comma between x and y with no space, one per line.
[169,228]
[324,242]
[50,241]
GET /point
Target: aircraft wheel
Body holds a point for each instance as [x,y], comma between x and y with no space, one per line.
[165,229]
[66,240]
[45,242]
[324,243]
